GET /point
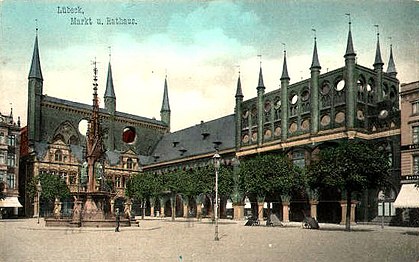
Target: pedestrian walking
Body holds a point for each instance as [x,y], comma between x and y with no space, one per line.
[117,220]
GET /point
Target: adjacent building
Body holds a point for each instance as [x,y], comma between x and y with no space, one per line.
[9,165]
[408,198]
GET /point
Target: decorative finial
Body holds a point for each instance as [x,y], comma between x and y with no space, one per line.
[238,66]
[349,20]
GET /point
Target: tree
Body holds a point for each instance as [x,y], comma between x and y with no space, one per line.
[52,187]
[351,166]
[269,174]
[143,186]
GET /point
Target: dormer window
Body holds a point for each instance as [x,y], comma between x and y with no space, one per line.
[182,151]
[58,155]
[129,163]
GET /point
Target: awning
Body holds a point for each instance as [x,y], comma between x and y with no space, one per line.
[408,197]
[10,202]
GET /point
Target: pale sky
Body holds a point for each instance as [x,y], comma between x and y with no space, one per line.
[201,45]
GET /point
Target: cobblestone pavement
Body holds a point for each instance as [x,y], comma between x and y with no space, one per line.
[163,240]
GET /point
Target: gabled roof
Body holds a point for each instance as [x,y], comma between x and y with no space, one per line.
[196,140]
[101,110]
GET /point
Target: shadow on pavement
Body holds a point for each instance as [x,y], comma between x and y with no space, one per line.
[410,233]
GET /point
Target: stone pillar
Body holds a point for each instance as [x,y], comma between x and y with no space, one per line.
[152,211]
[343,206]
[161,211]
[260,211]
[112,206]
[353,206]
[285,212]
[313,208]
[36,208]
[198,210]
[185,209]
[238,211]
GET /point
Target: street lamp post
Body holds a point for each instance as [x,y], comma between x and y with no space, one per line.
[39,189]
[216,159]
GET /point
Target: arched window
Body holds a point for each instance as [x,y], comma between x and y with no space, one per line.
[58,155]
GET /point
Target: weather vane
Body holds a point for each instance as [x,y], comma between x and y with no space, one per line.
[260,60]
[378,29]
[314,32]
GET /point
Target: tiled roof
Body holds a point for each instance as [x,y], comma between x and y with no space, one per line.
[196,140]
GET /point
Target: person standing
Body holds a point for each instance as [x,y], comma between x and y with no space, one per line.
[117,220]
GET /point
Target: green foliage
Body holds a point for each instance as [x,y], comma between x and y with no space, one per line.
[351,166]
[144,185]
[270,174]
[52,186]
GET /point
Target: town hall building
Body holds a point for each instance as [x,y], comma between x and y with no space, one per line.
[298,119]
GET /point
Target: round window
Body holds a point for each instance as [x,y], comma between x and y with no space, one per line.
[294,99]
[128,135]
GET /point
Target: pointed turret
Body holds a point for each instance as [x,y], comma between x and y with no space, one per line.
[315,62]
[109,97]
[378,62]
[284,75]
[349,46]
[35,90]
[391,69]
[239,92]
[260,83]
[165,107]
[109,92]
[238,112]
[35,71]
[350,81]
[314,93]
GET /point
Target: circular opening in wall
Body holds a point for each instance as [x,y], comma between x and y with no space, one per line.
[325,88]
[383,114]
[340,85]
[294,99]
[128,135]
[83,126]
[305,95]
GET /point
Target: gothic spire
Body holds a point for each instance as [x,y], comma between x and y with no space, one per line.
[349,45]
[378,61]
[35,71]
[109,92]
[315,62]
[284,75]
[165,104]
[239,92]
[260,83]
[391,69]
